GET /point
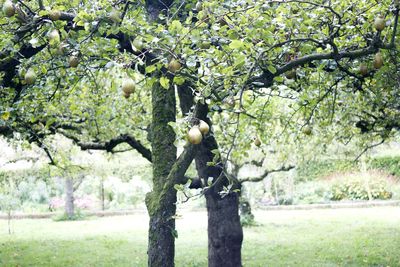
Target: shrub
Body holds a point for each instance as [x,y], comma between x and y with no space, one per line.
[361,187]
[387,164]
[313,170]
[312,193]
[78,216]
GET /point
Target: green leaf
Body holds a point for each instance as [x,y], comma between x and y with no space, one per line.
[236,44]
[179,80]
[272,69]
[151,68]
[5,116]
[175,26]
[164,81]
[174,233]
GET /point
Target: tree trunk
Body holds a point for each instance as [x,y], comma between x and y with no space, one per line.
[102,194]
[9,221]
[225,233]
[161,248]
[69,198]
[161,201]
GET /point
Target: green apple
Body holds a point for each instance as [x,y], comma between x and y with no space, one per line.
[55,15]
[195,136]
[73,61]
[378,60]
[204,127]
[174,65]
[30,76]
[128,86]
[8,8]
[380,23]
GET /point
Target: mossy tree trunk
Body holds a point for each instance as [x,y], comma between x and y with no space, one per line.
[161,201]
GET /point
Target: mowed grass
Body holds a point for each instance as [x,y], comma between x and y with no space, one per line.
[338,237]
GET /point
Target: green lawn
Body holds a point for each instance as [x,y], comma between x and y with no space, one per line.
[341,237]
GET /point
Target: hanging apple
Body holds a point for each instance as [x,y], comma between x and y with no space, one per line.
[128,86]
[379,23]
[307,130]
[199,6]
[8,8]
[195,136]
[54,37]
[378,60]
[257,141]
[174,65]
[291,74]
[30,76]
[114,15]
[55,15]
[363,70]
[73,61]
[138,44]
[204,127]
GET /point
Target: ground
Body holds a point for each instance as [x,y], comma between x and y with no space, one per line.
[334,237]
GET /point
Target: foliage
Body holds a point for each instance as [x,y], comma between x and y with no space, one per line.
[246,215]
[388,164]
[361,187]
[240,58]
[78,216]
[312,192]
[313,170]
[8,203]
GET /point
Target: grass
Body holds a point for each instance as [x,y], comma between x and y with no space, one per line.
[341,237]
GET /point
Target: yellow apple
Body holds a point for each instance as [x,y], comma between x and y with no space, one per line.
[363,70]
[8,8]
[195,136]
[204,127]
[55,15]
[378,60]
[128,86]
[30,76]
[257,141]
[174,65]
[73,61]
[380,23]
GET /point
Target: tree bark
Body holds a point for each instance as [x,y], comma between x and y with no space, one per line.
[102,200]
[161,247]
[69,198]
[161,202]
[225,233]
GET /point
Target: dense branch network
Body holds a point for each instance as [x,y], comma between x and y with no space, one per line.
[9,62]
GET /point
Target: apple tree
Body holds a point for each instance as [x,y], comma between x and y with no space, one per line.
[108,73]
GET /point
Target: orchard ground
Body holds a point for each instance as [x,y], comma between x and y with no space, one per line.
[328,237]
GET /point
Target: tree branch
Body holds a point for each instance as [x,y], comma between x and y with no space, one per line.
[111,144]
[266,173]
